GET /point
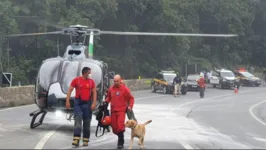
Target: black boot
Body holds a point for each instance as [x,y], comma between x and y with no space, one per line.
[120,144]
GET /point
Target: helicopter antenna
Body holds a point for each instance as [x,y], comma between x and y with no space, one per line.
[84,40]
[71,39]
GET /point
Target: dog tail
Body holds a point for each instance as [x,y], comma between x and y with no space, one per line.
[147,122]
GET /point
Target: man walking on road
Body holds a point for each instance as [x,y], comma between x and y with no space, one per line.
[201,83]
[83,105]
[177,82]
[121,100]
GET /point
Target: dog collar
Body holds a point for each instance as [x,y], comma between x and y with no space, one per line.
[134,126]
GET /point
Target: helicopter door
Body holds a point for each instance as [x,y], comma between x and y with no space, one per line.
[47,75]
[40,94]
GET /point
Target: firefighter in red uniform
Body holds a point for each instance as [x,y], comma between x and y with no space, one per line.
[201,83]
[121,100]
[83,105]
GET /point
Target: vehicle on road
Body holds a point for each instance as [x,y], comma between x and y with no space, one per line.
[192,82]
[163,81]
[223,78]
[247,79]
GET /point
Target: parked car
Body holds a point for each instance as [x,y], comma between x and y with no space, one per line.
[223,78]
[163,81]
[248,79]
[192,82]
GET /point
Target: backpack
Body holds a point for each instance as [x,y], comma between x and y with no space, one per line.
[103,112]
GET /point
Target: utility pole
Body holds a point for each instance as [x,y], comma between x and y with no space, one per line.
[37,45]
[57,42]
[1,62]
[8,53]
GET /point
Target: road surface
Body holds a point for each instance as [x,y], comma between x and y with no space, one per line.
[221,120]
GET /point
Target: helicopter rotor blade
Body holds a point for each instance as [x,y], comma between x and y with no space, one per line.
[166,34]
[41,33]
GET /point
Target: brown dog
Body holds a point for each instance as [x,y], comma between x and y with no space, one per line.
[137,130]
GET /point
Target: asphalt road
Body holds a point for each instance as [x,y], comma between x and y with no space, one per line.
[221,120]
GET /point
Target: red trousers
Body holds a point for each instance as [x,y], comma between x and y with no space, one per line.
[118,122]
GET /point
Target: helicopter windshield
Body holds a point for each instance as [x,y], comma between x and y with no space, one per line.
[68,73]
[48,73]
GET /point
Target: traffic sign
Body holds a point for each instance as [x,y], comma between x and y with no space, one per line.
[6,78]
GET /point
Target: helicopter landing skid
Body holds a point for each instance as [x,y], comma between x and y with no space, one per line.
[34,115]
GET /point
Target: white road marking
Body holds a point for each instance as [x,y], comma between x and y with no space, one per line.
[212,106]
[259,139]
[226,137]
[184,144]
[47,136]
[253,115]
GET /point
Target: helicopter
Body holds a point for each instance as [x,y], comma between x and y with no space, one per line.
[56,73]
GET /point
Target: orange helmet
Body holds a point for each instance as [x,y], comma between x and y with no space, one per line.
[106,121]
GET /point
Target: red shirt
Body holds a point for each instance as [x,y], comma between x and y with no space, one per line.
[83,88]
[201,82]
[120,98]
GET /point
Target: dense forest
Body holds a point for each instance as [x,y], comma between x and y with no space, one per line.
[132,56]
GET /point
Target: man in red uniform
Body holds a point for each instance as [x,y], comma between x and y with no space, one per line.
[83,105]
[201,83]
[121,100]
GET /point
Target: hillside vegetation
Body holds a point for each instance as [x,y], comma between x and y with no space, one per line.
[134,56]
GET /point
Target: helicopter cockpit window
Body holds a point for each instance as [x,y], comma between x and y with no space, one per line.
[68,73]
[48,73]
[96,72]
[76,52]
